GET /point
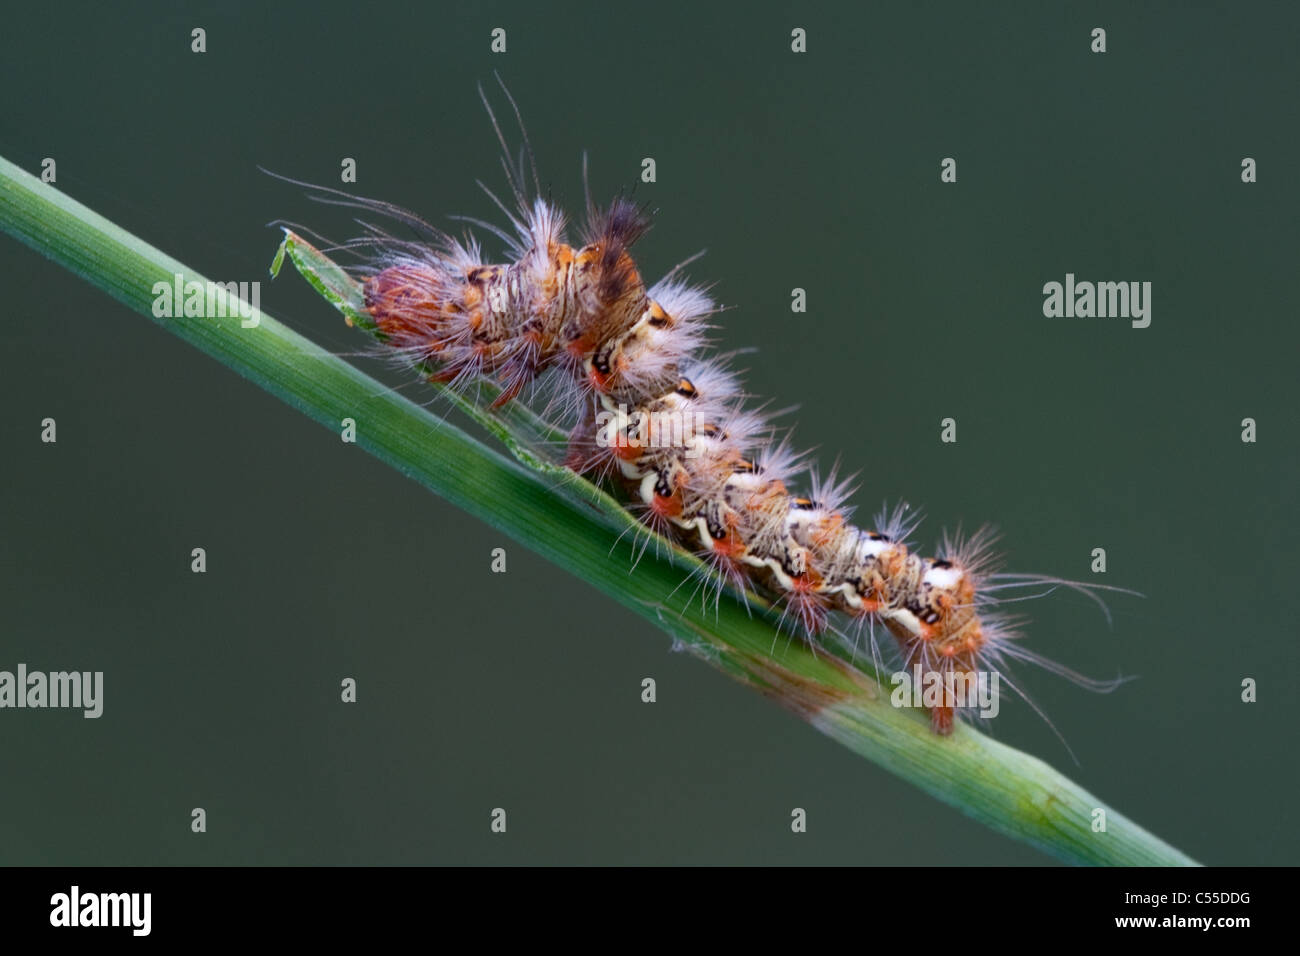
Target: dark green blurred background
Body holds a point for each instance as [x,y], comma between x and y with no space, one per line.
[522,691]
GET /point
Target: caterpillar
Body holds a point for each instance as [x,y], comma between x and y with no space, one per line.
[651,411]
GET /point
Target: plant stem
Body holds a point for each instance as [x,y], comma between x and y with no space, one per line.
[551,511]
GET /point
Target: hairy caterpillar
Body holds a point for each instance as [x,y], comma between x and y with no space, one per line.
[626,365]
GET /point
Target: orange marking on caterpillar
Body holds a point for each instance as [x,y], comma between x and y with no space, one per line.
[667,506]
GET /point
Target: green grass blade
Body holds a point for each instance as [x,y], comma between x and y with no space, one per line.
[574,524]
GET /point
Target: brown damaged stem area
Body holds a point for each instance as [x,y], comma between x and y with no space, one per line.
[807,698]
[838,682]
